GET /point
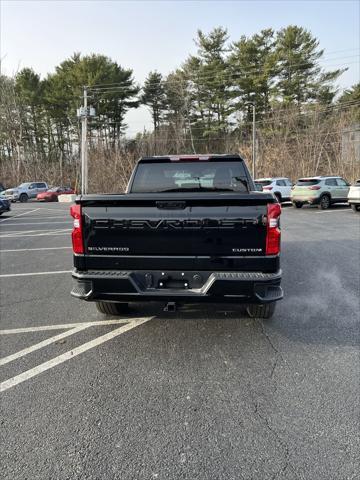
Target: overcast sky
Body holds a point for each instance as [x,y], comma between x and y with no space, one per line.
[149,35]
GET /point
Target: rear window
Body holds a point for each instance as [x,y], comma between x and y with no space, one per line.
[190,176]
[264,183]
[306,182]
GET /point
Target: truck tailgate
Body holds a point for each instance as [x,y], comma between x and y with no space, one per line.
[137,232]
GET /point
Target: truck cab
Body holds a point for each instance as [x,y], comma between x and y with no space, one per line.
[188,229]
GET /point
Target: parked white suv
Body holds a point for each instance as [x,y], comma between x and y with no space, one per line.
[25,191]
[279,186]
[354,196]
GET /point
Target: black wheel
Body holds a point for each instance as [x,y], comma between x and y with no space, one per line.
[298,204]
[356,208]
[278,196]
[23,198]
[110,308]
[265,310]
[324,202]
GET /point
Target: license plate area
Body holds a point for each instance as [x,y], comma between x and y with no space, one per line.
[173,283]
[170,280]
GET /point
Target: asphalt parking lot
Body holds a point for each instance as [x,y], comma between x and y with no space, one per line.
[203,393]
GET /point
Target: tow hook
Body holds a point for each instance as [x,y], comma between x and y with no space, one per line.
[170,307]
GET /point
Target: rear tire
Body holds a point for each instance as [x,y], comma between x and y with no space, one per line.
[325,202]
[23,198]
[265,310]
[356,208]
[278,196]
[298,204]
[110,308]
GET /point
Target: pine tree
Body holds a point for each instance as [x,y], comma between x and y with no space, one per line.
[351,95]
[209,96]
[300,77]
[253,63]
[65,88]
[29,89]
[154,97]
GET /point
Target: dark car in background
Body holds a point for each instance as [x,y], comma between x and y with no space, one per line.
[5,205]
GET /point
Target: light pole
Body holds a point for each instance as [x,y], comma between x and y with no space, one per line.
[84,182]
[253,139]
[84,112]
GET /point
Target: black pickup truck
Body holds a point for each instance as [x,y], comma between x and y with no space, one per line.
[188,229]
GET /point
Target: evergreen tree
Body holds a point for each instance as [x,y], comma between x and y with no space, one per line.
[175,88]
[300,77]
[351,95]
[253,66]
[209,99]
[29,88]
[154,97]
[65,88]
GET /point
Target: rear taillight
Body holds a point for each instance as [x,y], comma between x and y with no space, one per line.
[316,187]
[267,188]
[273,233]
[77,234]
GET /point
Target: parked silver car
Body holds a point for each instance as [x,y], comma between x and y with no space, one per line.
[25,191]
[321,191]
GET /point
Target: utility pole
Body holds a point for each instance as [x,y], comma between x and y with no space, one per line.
[254,140]
[84,173]
[84,112]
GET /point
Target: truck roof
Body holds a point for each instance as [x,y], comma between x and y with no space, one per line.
[191,157]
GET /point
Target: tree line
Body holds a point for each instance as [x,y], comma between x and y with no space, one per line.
[204,105]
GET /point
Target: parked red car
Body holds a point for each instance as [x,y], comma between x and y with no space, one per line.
[52,194]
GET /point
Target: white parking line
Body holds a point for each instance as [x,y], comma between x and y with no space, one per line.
[333,211]
[19,215]
[45,230]
[46,234]
[17,232]
[62,326]
[43,343]
[8,275]
[34,249]
[39,223]
[58,209]
[43,367]
[40,217]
